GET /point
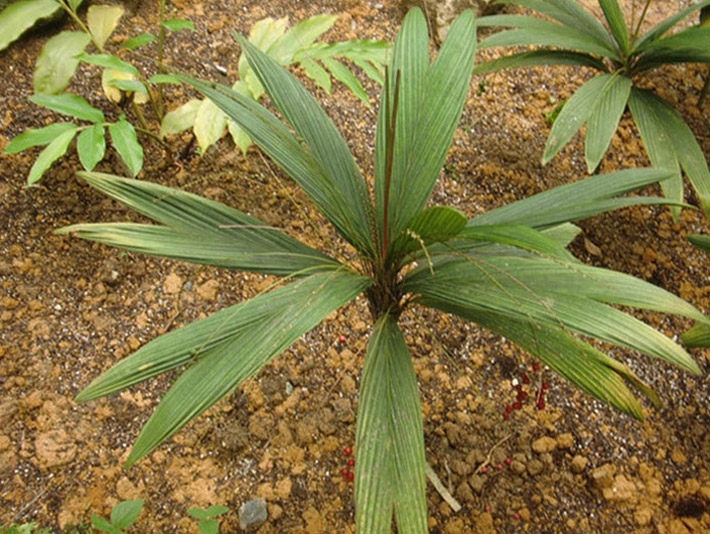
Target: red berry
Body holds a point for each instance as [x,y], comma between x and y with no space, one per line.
[508,461]
[535,367]
[344,471]
[351,476]
[505,415]
[517,406]
[351,462]
[522,395]
[516,516]
[499,467]
[541,404]
[486,508]
[508,408]
[524,378]
[341,338]
[519,387]
[347,451]
[484,469]
[545,386]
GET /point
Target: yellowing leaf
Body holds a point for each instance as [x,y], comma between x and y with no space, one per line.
[57,62]
[210,122]
[102,21]
[112,92]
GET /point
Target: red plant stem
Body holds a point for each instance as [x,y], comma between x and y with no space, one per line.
[390,125]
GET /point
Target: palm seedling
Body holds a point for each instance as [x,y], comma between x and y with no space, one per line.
[621,57]
[507,270]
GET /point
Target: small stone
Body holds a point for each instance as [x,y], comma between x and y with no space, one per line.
[314,521]
[622,490]
[252,514]
[677,527]
[535,467]
[484,524]
[476,482]
[172,284]
[463,492]
[283,488]
[4,442]
[565,441]
[54,448]
[275,511]
[579,463]
[603,476]
[643,516]
[678,457]
[126,490]
[326,421]
[517,467]
[208,290]
[544,444]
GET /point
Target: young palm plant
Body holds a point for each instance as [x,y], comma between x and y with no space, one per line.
[507,270]
[621,56]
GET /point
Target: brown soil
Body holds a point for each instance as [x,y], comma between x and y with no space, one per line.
[70,309]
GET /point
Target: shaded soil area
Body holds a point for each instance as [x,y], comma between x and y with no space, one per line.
[70,309]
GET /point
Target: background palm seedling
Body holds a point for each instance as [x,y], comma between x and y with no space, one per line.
[620,55]
[507,270]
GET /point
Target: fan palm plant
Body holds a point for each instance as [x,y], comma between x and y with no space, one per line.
[507,270]
[621,56]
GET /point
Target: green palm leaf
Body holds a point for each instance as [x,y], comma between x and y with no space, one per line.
[346,187]
[604,119]
[197,230]
[425,122]
[260,329]
[389,473]
[659,29]
[540,57]
[578,200]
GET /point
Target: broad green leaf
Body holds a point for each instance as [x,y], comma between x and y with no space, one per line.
[91,146]
[19,17]
[109,83]
[617,25]
[344,186]
[57,61]
[109,62]
[197,230]
[68,104]
[661,28]
[438,223]
[123,137]
[699,240]
[264,33]
[40,136]
[697,337]
[50,154]
[540,57]
[317,73]
[102,20]
[390,465]
[138,41]
[341,73]
[125,513]
[239,136]
[217,371]
[300,36]
[690,155]
[74,4]
[571,14]
[659,146]
[574,114]
[535,31]
[210,122]
[208,526]
[604,119]
[129,86]
[180,119]
[163,78]
[576,201]
[102,524]
[178,24]
[426,132]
